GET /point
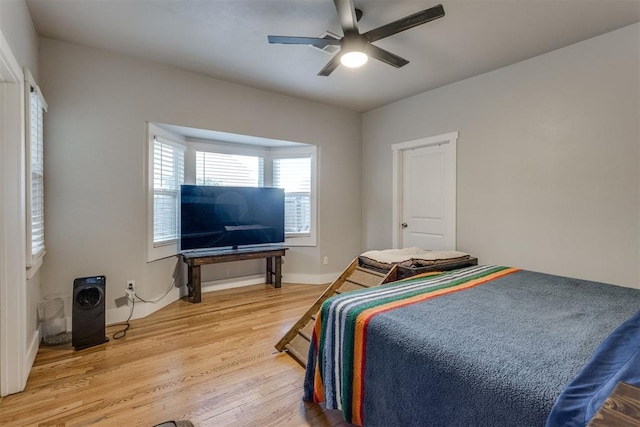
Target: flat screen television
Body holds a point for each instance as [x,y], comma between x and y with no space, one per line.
[216,216]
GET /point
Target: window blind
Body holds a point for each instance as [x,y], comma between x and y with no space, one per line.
[37,172]
[294,176]
[229,169]
[168,175]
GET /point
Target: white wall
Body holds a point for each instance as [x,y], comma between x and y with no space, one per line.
[18,29]
[95,194]
[548,160]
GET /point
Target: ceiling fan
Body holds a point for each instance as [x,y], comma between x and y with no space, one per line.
[355,48]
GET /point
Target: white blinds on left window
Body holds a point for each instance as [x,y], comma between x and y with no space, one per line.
[36,126]
[168,175]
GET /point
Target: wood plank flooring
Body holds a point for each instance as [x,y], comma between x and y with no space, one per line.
[212,363]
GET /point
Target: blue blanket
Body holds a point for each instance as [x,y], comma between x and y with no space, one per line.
[616,359]
[496,354]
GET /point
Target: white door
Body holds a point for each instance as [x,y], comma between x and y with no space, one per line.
[428,202]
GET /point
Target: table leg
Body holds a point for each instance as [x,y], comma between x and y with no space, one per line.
[269,274]
[278,272]
[197,296]
[190,280]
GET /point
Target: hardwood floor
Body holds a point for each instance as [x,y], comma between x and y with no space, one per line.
[212,363]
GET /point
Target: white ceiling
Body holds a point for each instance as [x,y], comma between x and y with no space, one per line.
[227,39]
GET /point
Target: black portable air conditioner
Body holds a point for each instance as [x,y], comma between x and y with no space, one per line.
[88,319]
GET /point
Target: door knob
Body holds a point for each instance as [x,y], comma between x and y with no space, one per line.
[404,225]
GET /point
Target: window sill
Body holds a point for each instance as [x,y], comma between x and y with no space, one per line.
[160,251]
[307,240]
[35,265]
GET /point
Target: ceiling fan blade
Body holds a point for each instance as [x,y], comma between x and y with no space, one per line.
[315,41]
[347,15]
[405,23]
[385,56]
[331,65]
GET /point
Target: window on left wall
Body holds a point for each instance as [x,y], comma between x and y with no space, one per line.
[35,106]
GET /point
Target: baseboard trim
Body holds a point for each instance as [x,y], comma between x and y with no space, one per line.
[143,309]
[311,279]
[32,350]
[218,285]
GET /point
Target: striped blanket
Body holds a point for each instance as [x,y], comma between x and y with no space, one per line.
[348,337]
[400,355]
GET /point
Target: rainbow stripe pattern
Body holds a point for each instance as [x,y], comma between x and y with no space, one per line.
[337,355]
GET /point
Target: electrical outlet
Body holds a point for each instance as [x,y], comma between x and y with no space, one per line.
[131,287]
[325,260]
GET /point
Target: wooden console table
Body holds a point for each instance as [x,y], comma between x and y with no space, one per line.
[195,259]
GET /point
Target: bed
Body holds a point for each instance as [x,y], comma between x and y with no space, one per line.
[480,346]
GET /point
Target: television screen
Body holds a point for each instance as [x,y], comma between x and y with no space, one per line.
[216,216]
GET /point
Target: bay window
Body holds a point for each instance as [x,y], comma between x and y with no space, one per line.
[174,160]
[165,175]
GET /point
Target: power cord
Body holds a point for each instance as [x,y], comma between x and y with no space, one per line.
[123,332]
[159,299]
[171,285]
[132,297]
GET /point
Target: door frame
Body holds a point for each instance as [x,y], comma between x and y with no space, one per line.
[14,365]
[398,149]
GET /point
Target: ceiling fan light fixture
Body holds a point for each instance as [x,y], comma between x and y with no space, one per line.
[354,59]
[355,48]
